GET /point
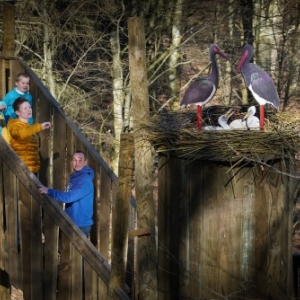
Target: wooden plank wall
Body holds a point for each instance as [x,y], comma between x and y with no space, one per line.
[54,254]
[4,275]
[2,79]
[8,45]
[221,235]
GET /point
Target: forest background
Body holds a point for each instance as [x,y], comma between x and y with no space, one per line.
[80,51]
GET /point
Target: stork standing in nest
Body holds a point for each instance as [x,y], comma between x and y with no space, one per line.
[258,82]
[203,89]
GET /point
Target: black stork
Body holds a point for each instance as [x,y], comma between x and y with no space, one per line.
[259,82]
[202,90]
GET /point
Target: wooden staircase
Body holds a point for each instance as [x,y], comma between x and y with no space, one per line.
[43,252]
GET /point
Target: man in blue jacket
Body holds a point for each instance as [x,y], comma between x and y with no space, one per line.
[79,194]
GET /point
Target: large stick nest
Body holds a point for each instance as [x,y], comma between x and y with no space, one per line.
[176,134]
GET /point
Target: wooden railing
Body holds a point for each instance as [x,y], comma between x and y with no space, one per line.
[43,252]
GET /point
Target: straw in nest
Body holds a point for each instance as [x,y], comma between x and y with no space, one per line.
[175,134]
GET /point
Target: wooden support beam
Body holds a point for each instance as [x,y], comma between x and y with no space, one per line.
[121,216]
[139,232]
[146,253]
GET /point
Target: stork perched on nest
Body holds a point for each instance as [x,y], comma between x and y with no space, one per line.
[203,89]
[258,82]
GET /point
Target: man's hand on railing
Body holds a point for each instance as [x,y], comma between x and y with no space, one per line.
[43,189]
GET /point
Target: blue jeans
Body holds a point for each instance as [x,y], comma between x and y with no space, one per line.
[86,229]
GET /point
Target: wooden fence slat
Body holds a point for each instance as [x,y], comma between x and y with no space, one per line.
[95,234]
[65,269]
[50,230]
[11,213]
[100,234]
[31,243]
[24,199]
[120,225]
[4,276]
[2,78]
[70,272]
[90,283]
[168,241]
[43,114]
[14,69]
[78,145]
[70,150]
[8,29]
[59,152]
[77,275]
[105,203]
[102,211]
[37,275]
[34,92]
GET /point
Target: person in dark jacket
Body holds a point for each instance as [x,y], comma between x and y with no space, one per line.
[79,194]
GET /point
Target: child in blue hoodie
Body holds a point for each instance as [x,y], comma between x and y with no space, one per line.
[20,90]
[79,195]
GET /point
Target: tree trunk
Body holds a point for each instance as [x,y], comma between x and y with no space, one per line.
[266,37]
[174,57]
[118,96]
[48,62]
[247,10]
[293,75]
[227,87]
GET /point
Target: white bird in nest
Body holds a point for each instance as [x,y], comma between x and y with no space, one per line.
[238,124]
[252,122]
[223,121]
[248,122]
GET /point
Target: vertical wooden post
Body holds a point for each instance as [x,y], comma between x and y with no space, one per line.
[121,216]
[8,29]
[169,227]
[146,260]
[4,276]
